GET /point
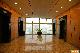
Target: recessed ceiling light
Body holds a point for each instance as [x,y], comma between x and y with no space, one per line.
[69,0]
[26,14]
[57,11]
[15,3]
[61,7]
[20,8]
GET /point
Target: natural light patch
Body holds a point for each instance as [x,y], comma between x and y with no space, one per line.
[32,24]
[35,20]
[32,42]
[46,28]
[49,20]
[29,20]
[28,29]
[43,20]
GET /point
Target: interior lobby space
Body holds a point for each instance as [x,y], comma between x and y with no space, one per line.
[39,26]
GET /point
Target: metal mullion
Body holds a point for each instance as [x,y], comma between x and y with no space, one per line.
[31,23]
[40,23]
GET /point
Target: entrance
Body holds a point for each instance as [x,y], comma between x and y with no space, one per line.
[5,26]
[54,28]
[63,27]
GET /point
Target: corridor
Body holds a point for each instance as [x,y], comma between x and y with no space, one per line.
[33,45]
[39,26]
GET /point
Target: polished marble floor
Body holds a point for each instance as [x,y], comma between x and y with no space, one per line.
[35,44]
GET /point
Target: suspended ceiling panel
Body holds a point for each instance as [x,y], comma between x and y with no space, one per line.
[41,8]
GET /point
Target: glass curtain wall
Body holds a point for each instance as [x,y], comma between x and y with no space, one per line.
[32,24]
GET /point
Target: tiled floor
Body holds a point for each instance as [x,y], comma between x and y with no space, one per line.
[29,44]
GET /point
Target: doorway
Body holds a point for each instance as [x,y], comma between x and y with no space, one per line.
[54,28]
[63,27]
[5,26]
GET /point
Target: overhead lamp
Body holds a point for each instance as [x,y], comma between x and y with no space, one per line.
[15,3]
[20,8]
[26,14]
[69,0]
[57,11]
[61,7]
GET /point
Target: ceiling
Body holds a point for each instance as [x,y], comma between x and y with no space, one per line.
[41,8]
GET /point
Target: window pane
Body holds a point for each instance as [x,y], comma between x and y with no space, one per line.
[49,20]
[35,20]
[43,20]
[28,28]
[49,28]
[46,28]
[29,20]
[35,27]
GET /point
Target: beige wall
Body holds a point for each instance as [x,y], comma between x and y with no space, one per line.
[73,16]
[14,19]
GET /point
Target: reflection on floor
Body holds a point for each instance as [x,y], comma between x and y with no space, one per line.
[35,44]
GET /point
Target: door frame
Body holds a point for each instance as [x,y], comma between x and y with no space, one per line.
[63,34]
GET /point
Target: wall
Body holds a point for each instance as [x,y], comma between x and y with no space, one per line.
[14,19]
[73,25]
[24,24]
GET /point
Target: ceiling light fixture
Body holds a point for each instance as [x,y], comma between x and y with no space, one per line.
[61,7]
[20,8]
[26,14]
[69,0]
[15,3]
[57,11]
